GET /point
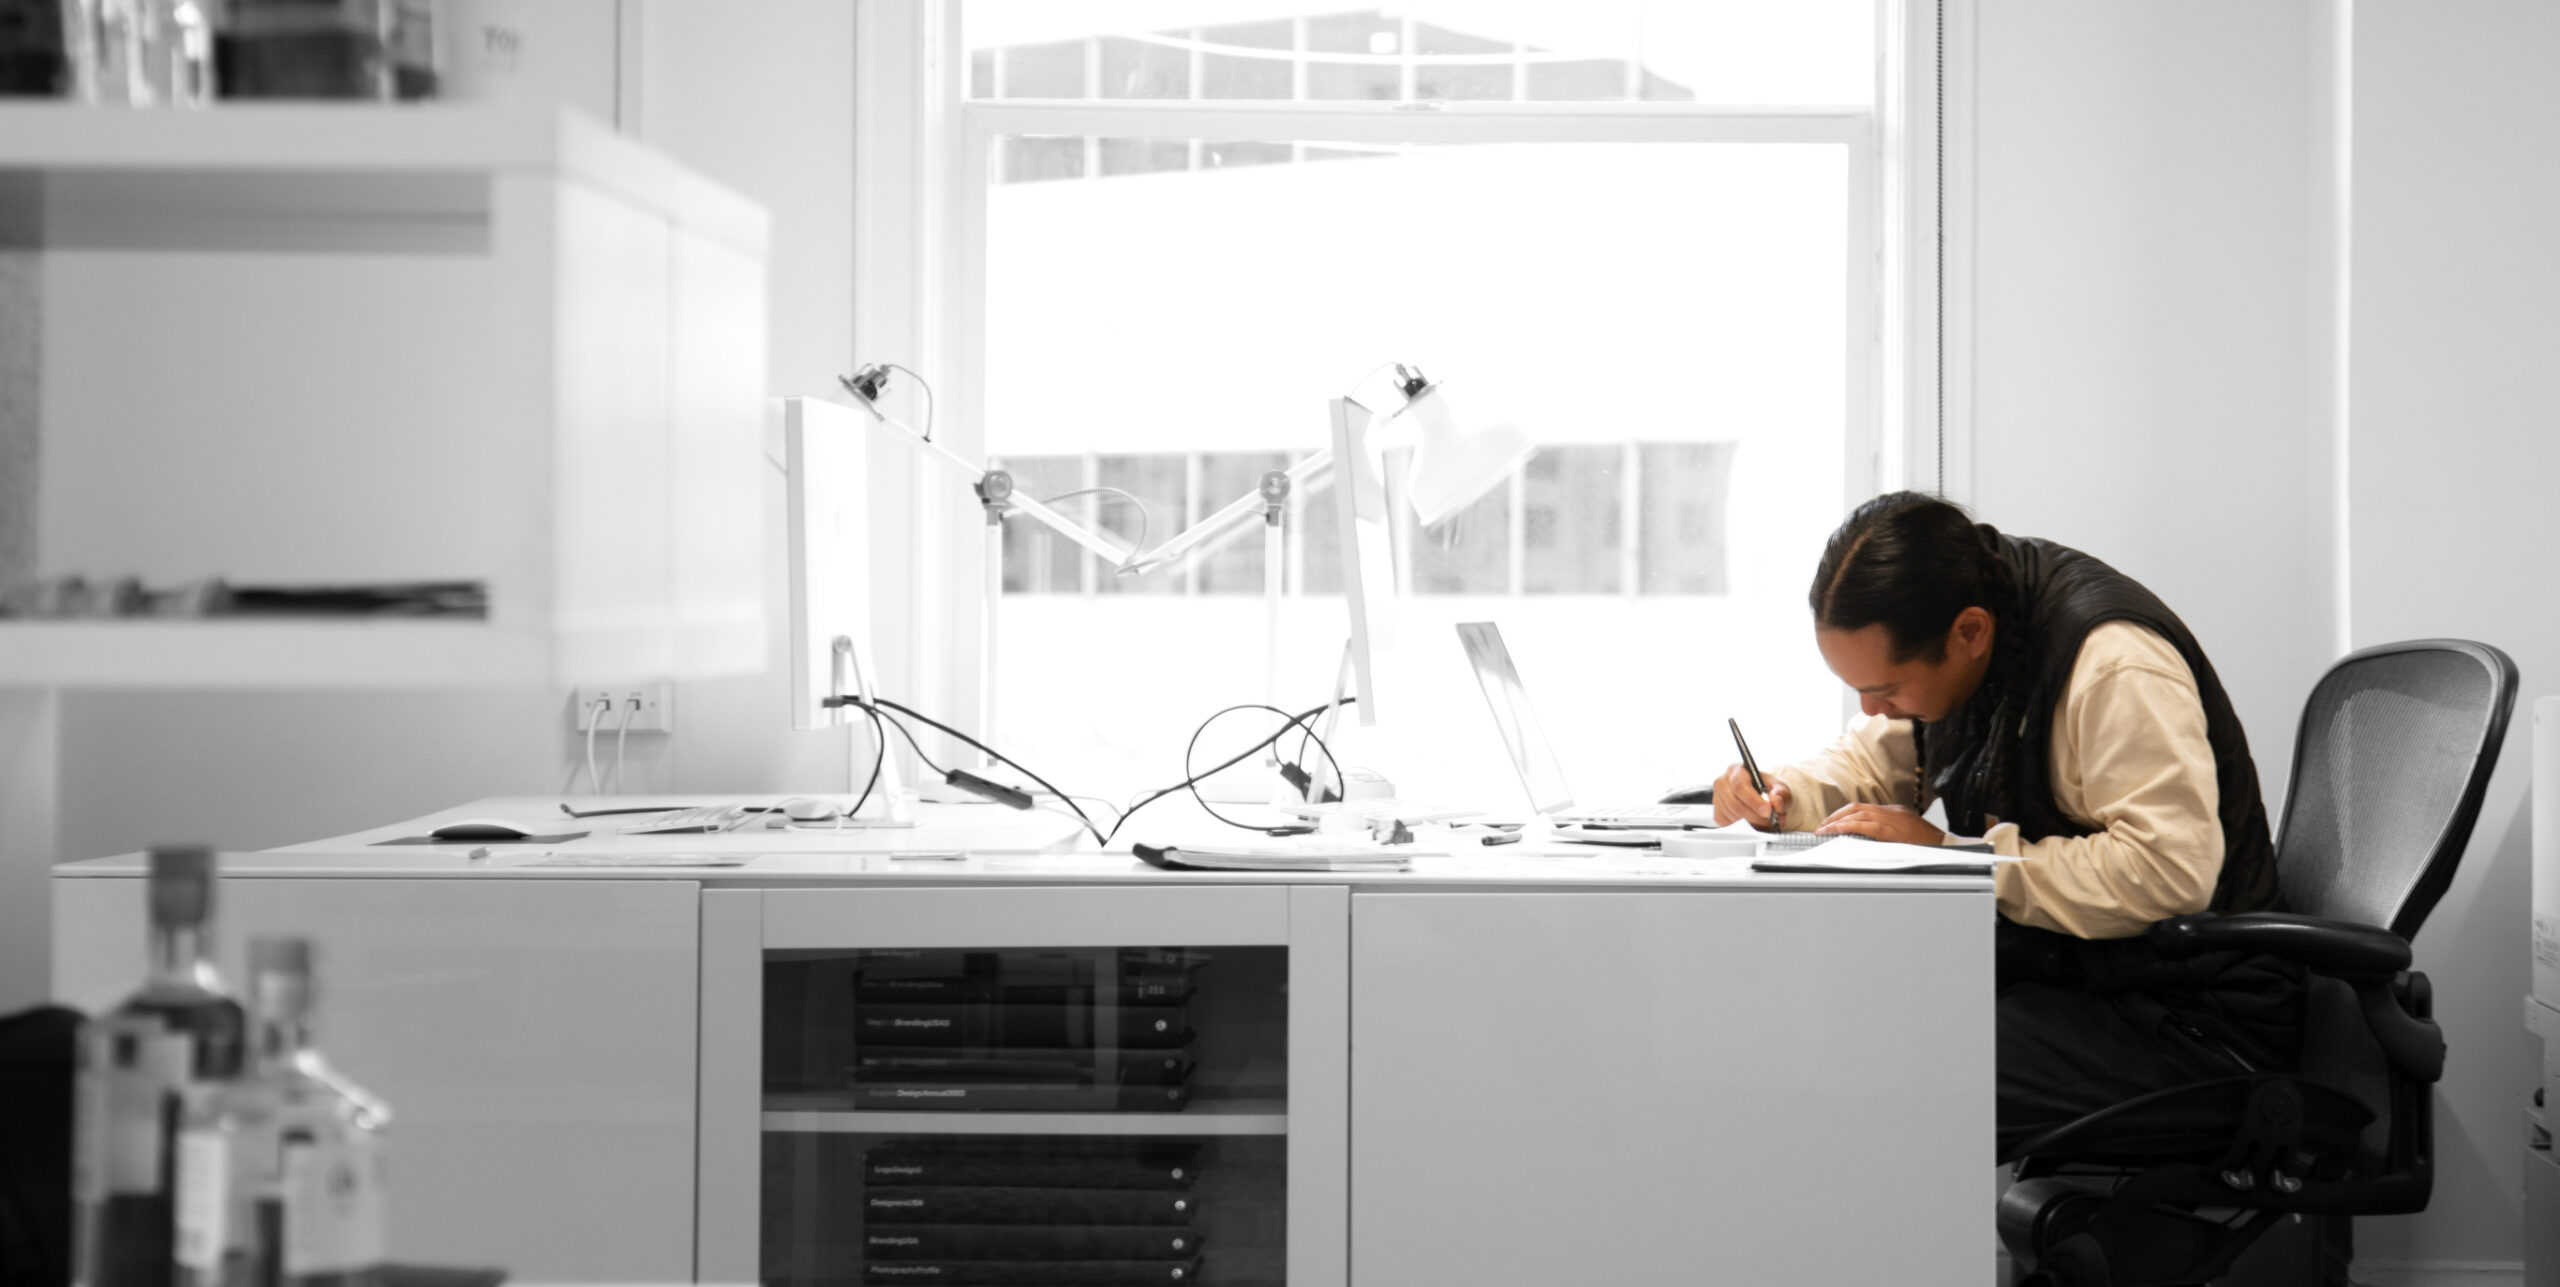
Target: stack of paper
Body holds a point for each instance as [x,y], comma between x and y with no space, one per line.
[1882,856]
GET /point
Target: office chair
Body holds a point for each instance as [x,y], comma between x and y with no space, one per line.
[2395,751]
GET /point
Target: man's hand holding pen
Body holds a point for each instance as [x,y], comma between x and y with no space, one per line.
[1755,799]
[1737,799]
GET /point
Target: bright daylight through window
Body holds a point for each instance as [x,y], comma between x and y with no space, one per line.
[1644,233]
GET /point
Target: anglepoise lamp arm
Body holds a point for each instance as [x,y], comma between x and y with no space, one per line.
[1310,475]
[1419,422]
[994,487]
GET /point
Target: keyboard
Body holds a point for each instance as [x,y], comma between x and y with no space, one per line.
[701,818]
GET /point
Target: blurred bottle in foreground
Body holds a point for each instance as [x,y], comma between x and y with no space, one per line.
[137,1064]
[280,1172]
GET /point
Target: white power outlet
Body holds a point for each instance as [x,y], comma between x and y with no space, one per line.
[645,706]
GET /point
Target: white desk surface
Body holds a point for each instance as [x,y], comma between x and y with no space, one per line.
[1003,846]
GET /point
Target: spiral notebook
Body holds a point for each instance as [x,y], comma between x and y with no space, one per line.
[1878,857]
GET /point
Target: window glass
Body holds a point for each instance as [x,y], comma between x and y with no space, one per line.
[1469,554]
[1729,52]
[1236,566]
[1036,560]
[1221,156]
[1144,156]
[1157,480]
[1682,546]
[1570,542]
[1669,322]
[1677,311]
[1371,33]
[1438,75]
[1137,69]
[1038,160]
[1243,75]
[1051,70]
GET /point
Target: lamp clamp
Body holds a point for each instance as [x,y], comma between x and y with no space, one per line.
[867,382]
[995,493]
[1274,490]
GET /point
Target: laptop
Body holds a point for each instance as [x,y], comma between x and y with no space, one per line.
[1535,758]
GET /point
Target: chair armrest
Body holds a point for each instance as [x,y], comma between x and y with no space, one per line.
[2364,956]
[2341,948]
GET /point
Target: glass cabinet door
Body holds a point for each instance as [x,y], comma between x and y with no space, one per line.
[965,1087]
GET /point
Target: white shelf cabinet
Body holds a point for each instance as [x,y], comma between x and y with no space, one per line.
[298,344]
[779,1196]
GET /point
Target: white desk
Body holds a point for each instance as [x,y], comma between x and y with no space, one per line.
[976,828]
[1505,1065]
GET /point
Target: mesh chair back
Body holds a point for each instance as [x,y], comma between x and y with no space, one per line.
[2395,751]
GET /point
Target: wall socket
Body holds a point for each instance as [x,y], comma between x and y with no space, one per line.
[652,715]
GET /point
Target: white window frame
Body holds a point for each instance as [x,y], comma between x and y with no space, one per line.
[920,201]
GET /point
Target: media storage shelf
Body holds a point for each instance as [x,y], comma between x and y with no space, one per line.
[814,1113]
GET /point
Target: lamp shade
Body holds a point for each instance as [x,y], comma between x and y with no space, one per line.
[1455,463]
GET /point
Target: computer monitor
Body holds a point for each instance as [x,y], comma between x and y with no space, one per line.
[1368,552]
[828,529]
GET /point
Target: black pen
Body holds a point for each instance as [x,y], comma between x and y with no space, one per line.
[1752,767]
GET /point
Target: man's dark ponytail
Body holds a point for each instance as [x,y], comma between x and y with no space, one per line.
[1910,563]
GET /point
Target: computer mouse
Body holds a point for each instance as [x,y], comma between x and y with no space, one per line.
[1691,795]
[480,829]
[808,810]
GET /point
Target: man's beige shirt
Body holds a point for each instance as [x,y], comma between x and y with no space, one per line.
[2130,760]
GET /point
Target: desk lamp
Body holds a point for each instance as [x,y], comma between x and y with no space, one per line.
[1428,458]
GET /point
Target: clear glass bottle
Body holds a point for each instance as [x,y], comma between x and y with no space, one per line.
[138,1062]
[280,1172]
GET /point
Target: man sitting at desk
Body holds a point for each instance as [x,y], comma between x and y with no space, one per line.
[2061,711]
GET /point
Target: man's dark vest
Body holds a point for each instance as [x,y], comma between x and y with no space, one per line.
[1995,755]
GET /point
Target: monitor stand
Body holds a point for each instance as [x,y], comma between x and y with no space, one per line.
[890,803]
[1365,783]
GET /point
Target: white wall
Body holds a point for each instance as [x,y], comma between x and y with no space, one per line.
[2159,377]
[760,97]
[2455,413]
[2144,358]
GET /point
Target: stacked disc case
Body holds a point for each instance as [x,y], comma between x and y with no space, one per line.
[1006,1213]
[1023,1030]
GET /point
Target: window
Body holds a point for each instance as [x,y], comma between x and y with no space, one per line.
[1649,233]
